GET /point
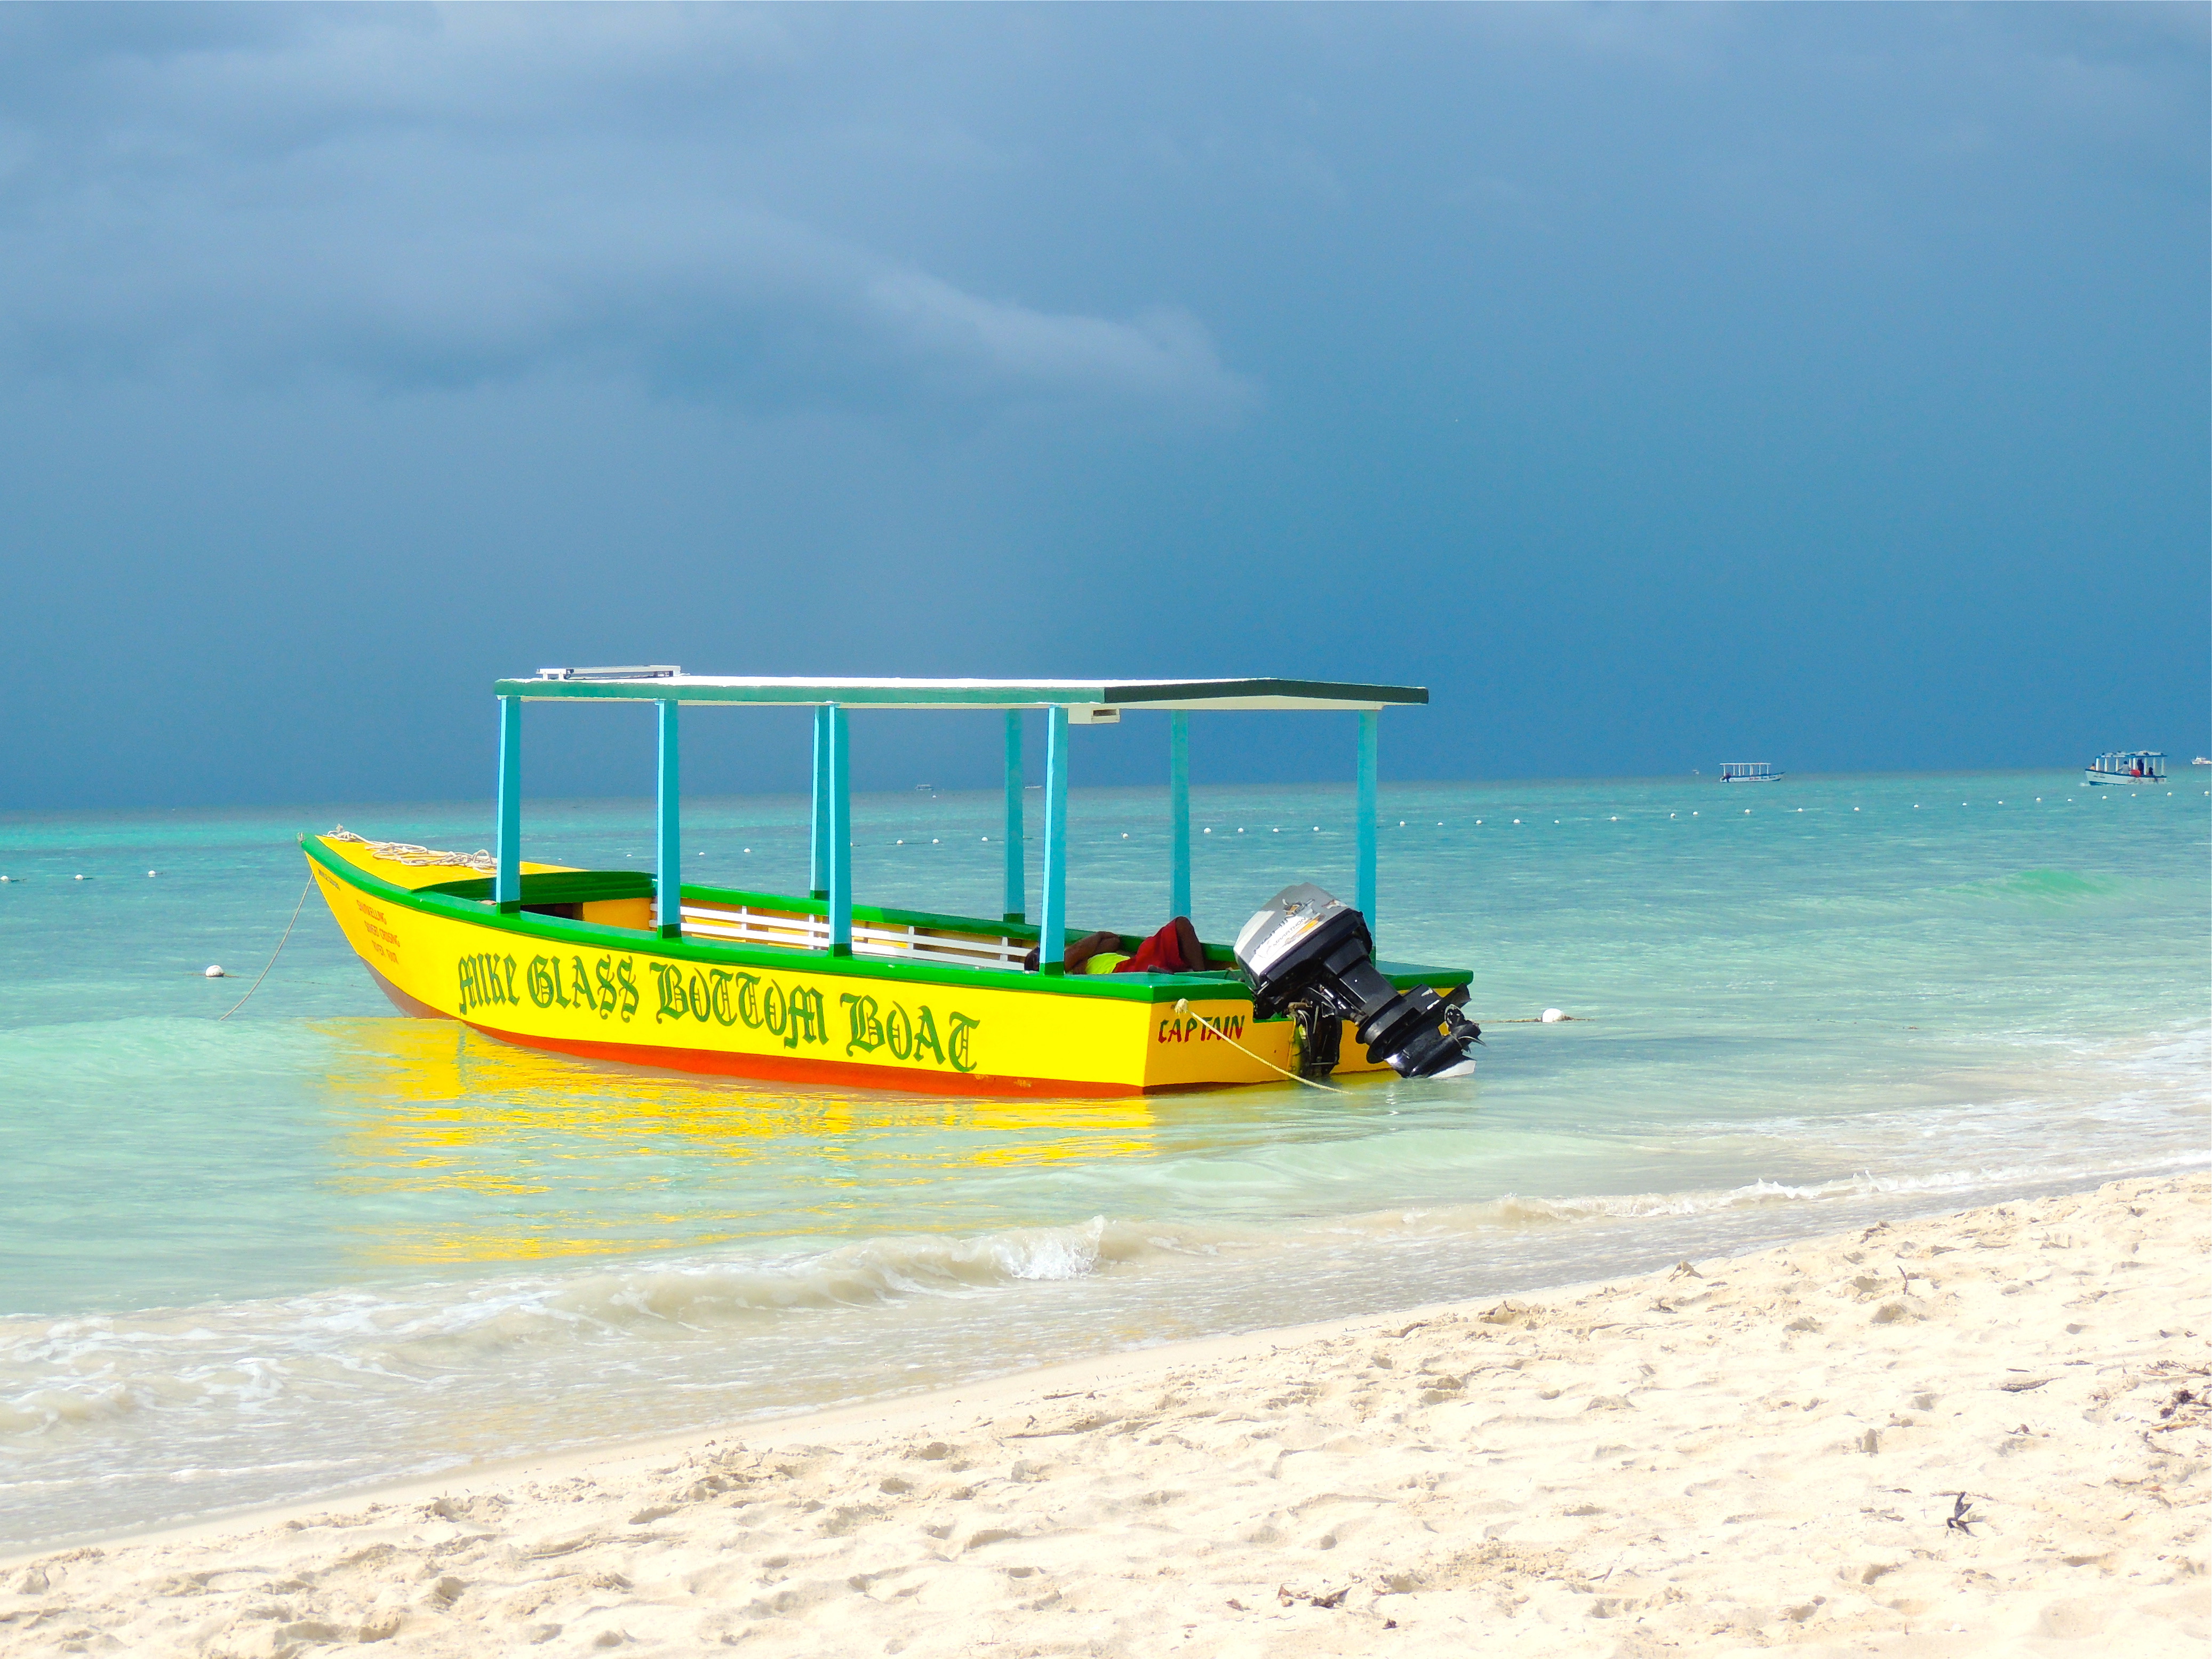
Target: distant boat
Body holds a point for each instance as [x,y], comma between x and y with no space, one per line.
[2126,766]
[2202,760]
[1749,772]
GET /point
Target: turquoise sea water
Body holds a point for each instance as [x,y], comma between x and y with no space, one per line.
[319,1246]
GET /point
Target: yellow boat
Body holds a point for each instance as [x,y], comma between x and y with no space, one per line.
[817,988]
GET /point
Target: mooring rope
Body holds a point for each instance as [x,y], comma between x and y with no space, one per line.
[1183,1007]
[406,852]
[274,954]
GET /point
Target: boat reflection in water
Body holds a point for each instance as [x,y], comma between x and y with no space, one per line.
[467,1150]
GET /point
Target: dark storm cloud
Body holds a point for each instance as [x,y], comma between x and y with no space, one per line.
[441,199]
[1825,383]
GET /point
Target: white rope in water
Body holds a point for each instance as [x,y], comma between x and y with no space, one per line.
[406,852]
[1183,1007]
[274,954]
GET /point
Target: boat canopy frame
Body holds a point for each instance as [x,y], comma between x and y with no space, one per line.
[1066,703]
[2114,763]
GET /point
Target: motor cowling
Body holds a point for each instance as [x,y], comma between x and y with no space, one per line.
[1308,954]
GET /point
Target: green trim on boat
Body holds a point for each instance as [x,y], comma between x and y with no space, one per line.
[1225,984]
[556,886]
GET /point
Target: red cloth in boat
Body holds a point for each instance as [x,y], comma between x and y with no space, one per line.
[1160,954]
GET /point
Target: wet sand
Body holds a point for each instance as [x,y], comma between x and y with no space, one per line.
[1982,1432]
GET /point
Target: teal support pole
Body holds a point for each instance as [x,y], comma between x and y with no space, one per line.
[1017,893]
[506,884]
[1370,723]
[1178,814]
[817,880]
[1052,944]
[841,835]
[668,828]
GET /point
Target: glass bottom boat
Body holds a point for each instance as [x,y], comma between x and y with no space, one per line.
[817,989]
[2136,766]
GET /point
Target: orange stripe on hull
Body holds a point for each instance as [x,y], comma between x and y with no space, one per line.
[402,1001]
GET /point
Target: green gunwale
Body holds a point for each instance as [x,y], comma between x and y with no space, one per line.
[556,887]
[1221,985]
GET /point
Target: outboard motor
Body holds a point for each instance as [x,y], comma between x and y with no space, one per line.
[1311,957]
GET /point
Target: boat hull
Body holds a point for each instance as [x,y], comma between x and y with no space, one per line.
[624,995]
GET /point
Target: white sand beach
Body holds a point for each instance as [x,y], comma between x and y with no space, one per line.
[1980,1433]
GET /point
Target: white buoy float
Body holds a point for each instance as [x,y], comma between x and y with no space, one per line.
[214,971]
[80,877]
[1552,1017]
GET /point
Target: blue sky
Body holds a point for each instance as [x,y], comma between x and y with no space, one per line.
[1825,384]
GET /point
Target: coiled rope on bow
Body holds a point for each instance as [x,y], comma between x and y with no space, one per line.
[406,852]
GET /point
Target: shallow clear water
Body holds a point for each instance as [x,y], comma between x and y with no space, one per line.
[318,1245]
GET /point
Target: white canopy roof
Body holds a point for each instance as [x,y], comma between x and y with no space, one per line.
[656,683]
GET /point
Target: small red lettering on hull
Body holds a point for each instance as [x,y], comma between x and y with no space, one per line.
[1194,1030]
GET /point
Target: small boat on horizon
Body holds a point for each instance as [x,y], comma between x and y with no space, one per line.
[1749,772]
[2127,766]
